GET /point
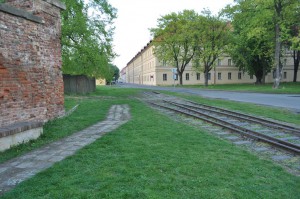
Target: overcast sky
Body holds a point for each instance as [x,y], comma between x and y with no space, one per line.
[135,17]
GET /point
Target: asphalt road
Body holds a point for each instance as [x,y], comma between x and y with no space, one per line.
[287,101]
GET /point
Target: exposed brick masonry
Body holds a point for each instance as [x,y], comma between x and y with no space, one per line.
[31,83]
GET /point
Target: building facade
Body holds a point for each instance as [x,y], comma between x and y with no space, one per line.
[146,69]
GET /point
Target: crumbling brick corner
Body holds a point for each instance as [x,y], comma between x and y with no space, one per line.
[31,82]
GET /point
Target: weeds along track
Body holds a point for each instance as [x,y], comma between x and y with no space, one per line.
[276,134]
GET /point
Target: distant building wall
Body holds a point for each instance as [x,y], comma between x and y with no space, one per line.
[31,83]
[100,82]
[146,69]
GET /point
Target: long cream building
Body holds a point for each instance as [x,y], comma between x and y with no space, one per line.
[146,69]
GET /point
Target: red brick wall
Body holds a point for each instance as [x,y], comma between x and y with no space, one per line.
[22,4]
[31,83]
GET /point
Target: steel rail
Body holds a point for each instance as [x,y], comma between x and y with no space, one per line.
[266,122]
[242,116]
[294,130]
[249,133]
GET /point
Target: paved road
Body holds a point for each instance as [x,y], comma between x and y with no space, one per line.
[287,101]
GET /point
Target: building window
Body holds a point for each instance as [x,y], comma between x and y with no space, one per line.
[164,77]
[229,62]
[229,75]
[251,76]
[187,76]
[219,62]
[198,76]
[284,75]
[239,75]
[219,76]
[209,76]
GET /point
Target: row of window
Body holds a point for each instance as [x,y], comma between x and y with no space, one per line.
[164,63]
[187,76]
[219,62]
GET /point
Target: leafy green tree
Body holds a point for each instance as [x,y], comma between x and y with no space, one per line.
[174,39]
[114,73]
[252,46]
[252,56]
[211,39]
[282,10]
[267,19]
[87,37]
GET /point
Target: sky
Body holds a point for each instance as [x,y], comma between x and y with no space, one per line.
[135,17]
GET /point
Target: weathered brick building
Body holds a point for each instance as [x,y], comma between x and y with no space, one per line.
[31,83]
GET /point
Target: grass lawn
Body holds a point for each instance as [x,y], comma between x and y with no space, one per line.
[152,156]
[289,88]
[89,111]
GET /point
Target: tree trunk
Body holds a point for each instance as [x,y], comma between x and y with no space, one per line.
[264,76]
[180,77]
[206,76]
[259,77]
[278,18]
[277,56]
[258,81]
[296,57]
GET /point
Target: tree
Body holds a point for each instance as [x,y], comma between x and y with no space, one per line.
[296,54]
[291,34]
[282,9]
[252,43]
[113,73]
[174,39]
[87,37]
[268,17]
[252,56]
[278,17]
[211,40]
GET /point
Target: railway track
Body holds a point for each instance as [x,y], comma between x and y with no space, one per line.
[250,118]
[243,124]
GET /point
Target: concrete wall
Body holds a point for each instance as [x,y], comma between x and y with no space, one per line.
[31,83]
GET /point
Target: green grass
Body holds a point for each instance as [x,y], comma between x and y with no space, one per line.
[152,156]
[88,112]
[70,103]
[111,91]
[288,88]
